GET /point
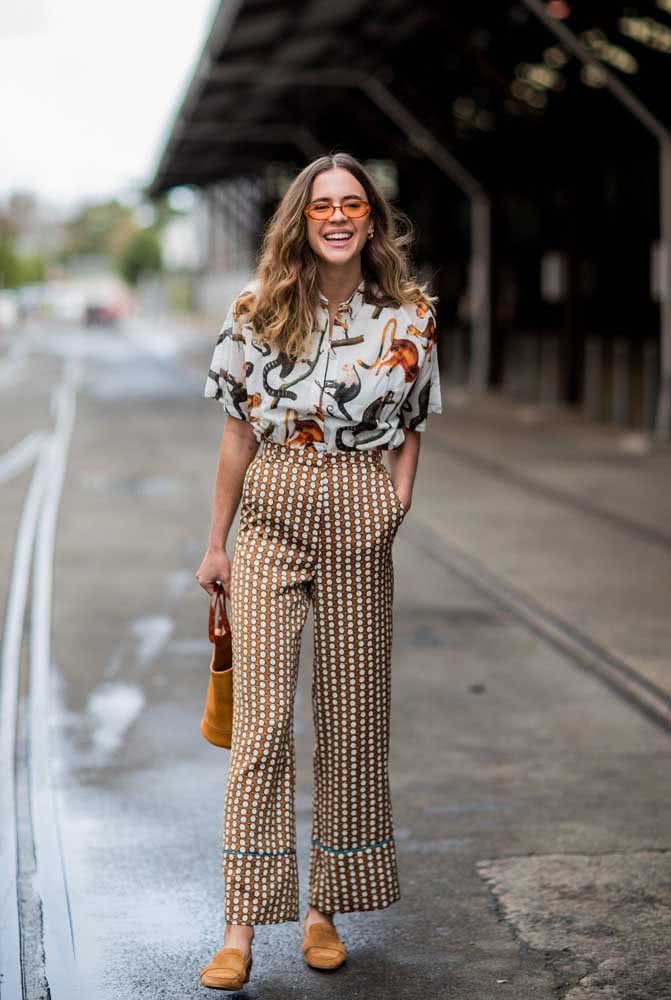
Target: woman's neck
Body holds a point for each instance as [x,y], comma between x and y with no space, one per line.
[338,283]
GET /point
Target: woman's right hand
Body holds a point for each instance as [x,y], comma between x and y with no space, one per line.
[215,566]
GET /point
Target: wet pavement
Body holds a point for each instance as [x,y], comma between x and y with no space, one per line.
[529,758]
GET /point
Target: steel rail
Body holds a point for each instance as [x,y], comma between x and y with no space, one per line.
[578,648]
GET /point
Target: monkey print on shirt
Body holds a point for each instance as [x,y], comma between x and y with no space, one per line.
[361,386]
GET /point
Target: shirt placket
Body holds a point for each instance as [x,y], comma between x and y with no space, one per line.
[330,351]
[329,354]
[322,364]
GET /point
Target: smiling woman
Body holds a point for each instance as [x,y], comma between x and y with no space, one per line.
[299,258]
[335,315]
[326,360]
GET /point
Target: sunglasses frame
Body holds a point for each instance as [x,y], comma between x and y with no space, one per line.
[333,206]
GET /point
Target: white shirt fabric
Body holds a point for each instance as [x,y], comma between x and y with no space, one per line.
[359,386]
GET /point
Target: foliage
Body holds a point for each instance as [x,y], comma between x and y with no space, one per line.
[124,237]
[9,263]
[17,269]
[101,229]
[140,256]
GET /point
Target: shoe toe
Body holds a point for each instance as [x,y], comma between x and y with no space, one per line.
[222,979]
[325,958]
[228,970]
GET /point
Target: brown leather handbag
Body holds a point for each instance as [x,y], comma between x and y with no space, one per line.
[217,722]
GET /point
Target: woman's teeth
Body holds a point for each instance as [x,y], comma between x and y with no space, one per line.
[338,237]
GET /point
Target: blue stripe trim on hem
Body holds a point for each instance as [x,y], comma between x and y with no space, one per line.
[258,854]
[352,850]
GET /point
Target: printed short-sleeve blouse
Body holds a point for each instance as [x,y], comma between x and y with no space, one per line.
[358,387]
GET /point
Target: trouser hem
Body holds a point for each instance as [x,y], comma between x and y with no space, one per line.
[344,881]
[259,888]
[255,922]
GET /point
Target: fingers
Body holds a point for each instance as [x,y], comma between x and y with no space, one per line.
[211,586]
[213,574]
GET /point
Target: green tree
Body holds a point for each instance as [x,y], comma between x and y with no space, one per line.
[32,269]
[141,255]
[9,262]
[101,229]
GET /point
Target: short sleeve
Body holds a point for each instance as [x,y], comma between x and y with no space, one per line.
[226,379]
[425,395]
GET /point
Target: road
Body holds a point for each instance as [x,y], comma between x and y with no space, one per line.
[530,751]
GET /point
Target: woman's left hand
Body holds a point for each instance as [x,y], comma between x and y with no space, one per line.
[406,499]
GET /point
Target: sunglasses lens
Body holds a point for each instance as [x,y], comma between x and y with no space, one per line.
[355,208]
[320,211]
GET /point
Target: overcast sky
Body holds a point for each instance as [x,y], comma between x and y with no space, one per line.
[89,89]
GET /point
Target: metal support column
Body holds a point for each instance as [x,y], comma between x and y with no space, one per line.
[663,410]
[480,264]
[663,135]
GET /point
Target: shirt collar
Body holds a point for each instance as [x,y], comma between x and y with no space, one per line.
[352,305]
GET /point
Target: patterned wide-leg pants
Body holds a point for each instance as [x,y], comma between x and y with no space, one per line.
[314,527]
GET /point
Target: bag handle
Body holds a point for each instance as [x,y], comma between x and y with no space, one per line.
[219,624]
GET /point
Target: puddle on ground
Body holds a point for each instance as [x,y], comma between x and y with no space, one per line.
[111,710]
[150,633]
[148,636]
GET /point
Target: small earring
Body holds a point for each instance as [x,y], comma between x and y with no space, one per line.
[370,234]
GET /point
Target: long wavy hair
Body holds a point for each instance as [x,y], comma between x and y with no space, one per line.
[282,307]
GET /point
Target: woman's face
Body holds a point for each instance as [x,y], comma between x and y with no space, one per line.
[334,185]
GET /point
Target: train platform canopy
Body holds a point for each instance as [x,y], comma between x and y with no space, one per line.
[285,80]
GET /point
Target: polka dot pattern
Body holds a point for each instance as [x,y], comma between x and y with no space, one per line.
[316,528]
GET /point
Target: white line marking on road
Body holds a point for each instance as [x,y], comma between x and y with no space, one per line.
[21,455]
[10,943]
[59,940]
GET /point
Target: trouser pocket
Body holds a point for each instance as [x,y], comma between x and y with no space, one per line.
[394,495]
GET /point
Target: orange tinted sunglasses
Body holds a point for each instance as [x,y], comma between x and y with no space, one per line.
[352,208]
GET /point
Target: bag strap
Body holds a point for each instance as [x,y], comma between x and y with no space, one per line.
[219,624]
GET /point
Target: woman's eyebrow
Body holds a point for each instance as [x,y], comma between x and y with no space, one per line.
[326,197]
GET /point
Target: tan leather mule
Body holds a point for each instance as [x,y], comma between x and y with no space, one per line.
[227,970]
[322,946]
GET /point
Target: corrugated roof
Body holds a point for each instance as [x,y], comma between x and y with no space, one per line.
[468,71]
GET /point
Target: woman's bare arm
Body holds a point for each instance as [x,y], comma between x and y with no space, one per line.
[236,451]
[403,466]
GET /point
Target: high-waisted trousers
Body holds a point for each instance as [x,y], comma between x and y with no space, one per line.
[316,528]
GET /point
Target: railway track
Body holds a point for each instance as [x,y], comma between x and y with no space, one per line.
[583,651]
[37,944]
